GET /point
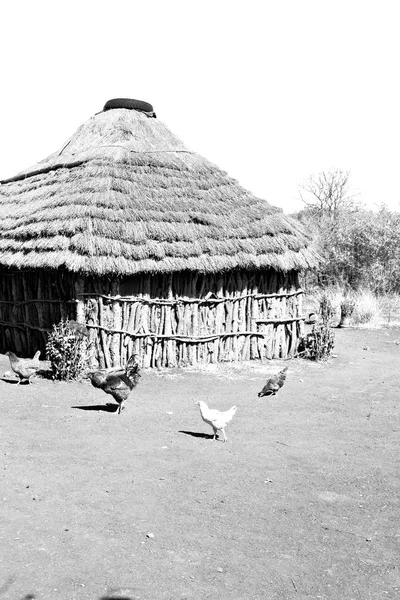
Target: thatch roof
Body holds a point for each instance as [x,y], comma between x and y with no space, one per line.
[124,195]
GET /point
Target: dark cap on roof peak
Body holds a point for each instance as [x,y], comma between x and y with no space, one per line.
[130,104]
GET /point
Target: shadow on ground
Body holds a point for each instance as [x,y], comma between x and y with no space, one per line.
[196,434]
[99,407]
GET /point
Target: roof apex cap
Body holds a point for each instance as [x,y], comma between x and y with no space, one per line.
[130,104]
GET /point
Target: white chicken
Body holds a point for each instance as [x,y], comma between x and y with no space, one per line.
[217,419]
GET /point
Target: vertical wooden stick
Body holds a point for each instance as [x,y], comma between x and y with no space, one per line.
[80,303]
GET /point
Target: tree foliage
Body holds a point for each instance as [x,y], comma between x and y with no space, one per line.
[360,248]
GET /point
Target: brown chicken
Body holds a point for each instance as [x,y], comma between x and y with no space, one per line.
[25,368]
[274,384]
[117,383]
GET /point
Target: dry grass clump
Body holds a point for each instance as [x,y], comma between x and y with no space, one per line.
[367,310]
[362,307]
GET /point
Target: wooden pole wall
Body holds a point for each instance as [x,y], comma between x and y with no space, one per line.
[185,319]
[30,303]
[168,320]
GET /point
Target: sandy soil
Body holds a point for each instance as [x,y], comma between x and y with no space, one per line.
[301,502]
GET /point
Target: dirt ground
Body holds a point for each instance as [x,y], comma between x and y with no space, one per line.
[301,502]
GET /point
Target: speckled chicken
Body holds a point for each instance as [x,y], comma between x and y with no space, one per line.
[118,383]
[25,368]
[274,384]
[217,419]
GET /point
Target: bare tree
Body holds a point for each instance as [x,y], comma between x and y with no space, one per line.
[327,194]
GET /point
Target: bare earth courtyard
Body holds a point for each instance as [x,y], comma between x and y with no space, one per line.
[301,502]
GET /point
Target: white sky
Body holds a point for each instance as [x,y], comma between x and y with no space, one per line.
[270,91]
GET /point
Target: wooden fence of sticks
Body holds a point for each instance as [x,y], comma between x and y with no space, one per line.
[226,324]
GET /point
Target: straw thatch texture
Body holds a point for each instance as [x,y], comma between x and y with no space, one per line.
[125,196]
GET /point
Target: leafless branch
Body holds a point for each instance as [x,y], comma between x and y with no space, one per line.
[328,193]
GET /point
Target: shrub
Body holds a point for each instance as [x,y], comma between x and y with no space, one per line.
[317,299]
[319,343]
[326,310]
[347,307]
[67,350]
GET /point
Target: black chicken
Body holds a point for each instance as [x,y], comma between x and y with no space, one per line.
[274,384]
[118,384]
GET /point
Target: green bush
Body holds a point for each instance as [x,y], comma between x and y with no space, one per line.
[67,350]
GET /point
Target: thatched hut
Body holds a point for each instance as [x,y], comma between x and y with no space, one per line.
[152,246]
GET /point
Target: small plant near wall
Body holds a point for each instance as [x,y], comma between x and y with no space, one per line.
[319,343]
[67,350]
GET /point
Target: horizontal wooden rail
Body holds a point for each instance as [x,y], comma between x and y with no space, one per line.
[172,302]
[23,326]
[42,300]
[157,336]
[285,320]
[179,338]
